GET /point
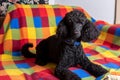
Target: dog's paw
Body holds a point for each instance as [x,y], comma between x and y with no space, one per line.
[74,77]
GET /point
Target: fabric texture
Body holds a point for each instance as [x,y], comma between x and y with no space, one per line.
[32,23]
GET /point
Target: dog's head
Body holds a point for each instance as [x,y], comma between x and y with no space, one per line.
[76,26]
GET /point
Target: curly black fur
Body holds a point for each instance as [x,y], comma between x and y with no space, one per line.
[65,48]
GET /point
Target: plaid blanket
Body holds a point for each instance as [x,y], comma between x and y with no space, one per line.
[32,23]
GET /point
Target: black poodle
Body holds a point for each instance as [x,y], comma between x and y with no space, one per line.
[65,48]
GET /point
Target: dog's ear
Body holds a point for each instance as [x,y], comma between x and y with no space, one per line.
[61,31]
[89,32]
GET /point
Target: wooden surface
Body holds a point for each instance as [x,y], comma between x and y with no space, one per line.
[118,12]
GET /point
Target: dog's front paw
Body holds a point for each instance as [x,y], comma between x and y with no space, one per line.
[73,77]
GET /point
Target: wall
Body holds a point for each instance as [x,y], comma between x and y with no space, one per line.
[51,2]
[99,9]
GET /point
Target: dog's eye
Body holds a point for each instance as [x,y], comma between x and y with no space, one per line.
[69,21]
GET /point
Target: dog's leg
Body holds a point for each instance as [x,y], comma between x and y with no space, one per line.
[42,53]
[62,71]
[95,69]
[92,68]
[41,59]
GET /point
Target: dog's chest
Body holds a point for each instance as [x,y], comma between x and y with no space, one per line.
[72,50]
[72,47]
[55,48]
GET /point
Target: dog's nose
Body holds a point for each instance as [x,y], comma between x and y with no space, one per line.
[76,32]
